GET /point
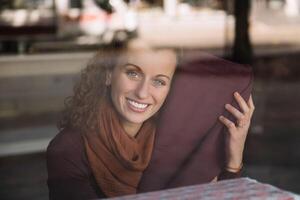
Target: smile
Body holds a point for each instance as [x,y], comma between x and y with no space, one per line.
[137,106]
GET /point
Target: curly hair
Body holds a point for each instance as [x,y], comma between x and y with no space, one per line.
[81,110]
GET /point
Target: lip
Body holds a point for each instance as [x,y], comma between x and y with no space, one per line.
[134,108]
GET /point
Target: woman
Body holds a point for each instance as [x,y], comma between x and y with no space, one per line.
[107,134]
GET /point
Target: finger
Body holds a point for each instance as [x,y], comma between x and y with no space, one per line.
[242,103]
[251,104]
[235,112]
[229,124]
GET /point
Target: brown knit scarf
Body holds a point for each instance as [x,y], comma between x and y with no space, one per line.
[118,160]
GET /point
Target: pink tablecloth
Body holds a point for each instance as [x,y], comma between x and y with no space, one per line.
[242,188]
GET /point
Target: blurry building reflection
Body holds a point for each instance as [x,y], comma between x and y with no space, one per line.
[50,41]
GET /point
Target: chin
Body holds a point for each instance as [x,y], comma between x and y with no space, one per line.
[135,117]
[137,120]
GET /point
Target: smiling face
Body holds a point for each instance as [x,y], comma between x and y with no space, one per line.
[139,88]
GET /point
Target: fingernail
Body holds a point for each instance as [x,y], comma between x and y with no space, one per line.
[226,105]
[236,94]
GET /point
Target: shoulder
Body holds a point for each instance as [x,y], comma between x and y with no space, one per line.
[66,152]
[69,172]
[66,140]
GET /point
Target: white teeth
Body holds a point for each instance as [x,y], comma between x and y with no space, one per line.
[137,105]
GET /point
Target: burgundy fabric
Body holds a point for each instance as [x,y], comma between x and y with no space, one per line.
[224,175]
[69,172]
[189,144]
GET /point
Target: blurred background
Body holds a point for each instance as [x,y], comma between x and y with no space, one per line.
[45,43]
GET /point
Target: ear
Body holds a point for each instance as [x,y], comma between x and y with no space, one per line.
[108,78]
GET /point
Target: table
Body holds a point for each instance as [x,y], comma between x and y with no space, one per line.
[241,188]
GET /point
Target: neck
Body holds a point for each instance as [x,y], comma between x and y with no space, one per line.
[131,129]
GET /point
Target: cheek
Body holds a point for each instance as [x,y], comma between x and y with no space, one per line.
[122,86]
[161,96]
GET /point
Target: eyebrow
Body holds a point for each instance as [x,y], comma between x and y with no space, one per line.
[133,65]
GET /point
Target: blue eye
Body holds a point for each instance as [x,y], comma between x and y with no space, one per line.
[158,82]
[132,74]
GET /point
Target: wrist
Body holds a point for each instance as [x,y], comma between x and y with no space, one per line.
[234,169]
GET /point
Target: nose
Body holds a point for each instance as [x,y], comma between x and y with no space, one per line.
[142,90]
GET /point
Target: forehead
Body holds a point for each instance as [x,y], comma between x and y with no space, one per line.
[160,61]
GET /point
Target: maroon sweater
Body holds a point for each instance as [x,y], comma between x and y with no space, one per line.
[69,173]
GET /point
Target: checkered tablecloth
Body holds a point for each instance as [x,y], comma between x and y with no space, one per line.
[242,188]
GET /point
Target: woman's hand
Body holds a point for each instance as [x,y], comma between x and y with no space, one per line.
[237,132]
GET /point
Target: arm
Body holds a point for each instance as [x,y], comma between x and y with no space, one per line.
[228,175]
[237,133]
